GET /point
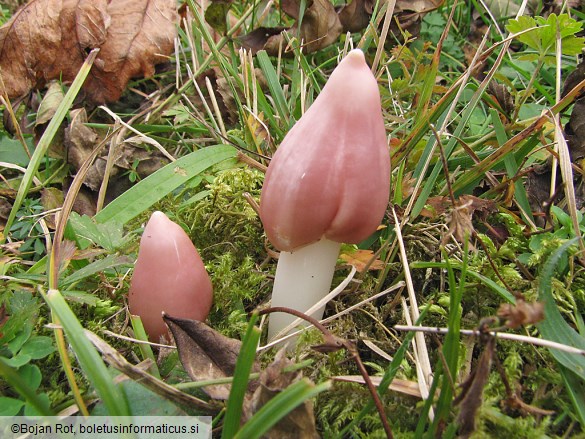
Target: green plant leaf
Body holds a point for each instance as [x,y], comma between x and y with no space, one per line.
[38,347]
[244,365]
[89,359]
[110,261]
[18,360]
[85,231]
[31,374]
[10,406]
[543,36]
[554,327]
[159,184]
[12,377]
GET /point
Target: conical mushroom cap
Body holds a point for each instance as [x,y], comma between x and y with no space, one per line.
[169,276]
[330,176]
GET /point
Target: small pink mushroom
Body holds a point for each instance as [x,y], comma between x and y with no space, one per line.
[169,276]
[327,183]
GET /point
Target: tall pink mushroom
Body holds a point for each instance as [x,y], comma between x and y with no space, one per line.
[327,183]
[169,276]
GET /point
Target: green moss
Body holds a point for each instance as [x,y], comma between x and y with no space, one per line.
[223,221]
[237,286]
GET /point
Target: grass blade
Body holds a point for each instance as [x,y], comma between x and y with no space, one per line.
[89,359]
[244,365]
[48,136]
[156,186]
[554,327]
[279,406]
[274,85]
[505,294]
[512,169]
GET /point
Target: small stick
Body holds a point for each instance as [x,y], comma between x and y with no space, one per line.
[333,343]
[501,335]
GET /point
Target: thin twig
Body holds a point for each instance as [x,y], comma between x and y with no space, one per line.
[333,343]
[503,335]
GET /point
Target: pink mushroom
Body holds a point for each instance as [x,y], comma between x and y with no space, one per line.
[327,183]
[169,276]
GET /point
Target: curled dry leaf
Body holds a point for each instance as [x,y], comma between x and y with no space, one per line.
[521,313]
[49,39]
[52,201]
[81,141]
[299,423]
[471,395]
[503,97]
[355,16]
[360,259]
[206,354]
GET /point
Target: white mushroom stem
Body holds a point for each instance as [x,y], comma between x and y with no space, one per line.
[303,277]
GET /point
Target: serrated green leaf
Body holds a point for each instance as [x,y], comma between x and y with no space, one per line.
[84,230]
[522,24]
[543,37]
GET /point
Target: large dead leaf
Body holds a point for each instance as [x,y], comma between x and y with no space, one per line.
[206,354]
[49,39]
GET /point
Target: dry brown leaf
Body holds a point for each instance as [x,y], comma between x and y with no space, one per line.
[521,313]
[503,97]
[418,6]
[49,39]
[406,387]
[322,24]
[80,141]
[320,28]
[5,208]
[435,207]
[206,354]
[355,16]
[471,394]
[139,374]
[460,224]
[51,199]
[141,34]
[460,217]
[360,258]
[299,423]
